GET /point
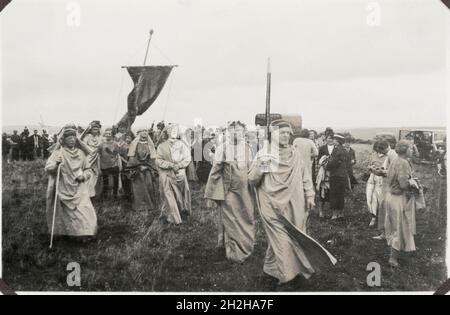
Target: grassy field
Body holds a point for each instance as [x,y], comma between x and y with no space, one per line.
[138,252]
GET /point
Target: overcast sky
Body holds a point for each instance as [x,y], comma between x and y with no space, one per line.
[328,63]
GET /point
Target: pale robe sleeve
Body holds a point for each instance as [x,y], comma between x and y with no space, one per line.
[185,156]
[308,186]
[151,146]
[215,188]
[161,162]
[51,166]
[314,150]
[255,175]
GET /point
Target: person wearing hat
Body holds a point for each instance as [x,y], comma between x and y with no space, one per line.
[141,167]
[284,196]
[75,214]
[124,149]
[172,158]
[92,138]
[228,186]
[323,175]
[337,166]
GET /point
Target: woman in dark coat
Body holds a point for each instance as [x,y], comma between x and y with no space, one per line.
[337,165]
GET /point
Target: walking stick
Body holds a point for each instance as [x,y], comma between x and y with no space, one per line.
[54,207]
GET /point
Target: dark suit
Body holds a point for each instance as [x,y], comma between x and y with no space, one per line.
[323,151]
[351,156]
[337,165]
[24,146]
[45,146]
[15,154]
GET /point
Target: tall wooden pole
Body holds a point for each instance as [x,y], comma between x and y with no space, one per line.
[268,90]
[58,174]
[148,46]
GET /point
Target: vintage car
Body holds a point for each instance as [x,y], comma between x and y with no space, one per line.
[431,144]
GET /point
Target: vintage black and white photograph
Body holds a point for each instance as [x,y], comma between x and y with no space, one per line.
[198,146]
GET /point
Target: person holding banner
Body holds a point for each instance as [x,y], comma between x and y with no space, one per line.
[172,158]
[285,195]
[72,213]
[141,167]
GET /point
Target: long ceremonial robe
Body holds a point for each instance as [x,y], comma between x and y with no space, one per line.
[228,184]
[281,202]
[75,214]
[174,189]
[93,142]
[141,164]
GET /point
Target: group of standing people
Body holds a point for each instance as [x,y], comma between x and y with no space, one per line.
[279,185]
[275,181]
[279,181]
[330,160]
[394,194]
[85,166]
[25,146]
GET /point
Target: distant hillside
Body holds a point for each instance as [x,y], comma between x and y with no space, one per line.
[369,133]
[358,133]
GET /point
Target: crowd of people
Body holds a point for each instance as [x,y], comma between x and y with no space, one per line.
[25,146]
[242,171]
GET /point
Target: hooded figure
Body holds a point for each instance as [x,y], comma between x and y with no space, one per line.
[75,214]
[172,159]
[141,167]
[92,138]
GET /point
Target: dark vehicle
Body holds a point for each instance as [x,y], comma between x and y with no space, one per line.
[431,144]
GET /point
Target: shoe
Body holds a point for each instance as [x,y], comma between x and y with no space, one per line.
[379,237]
[373,222]
[393,263]
[334,217]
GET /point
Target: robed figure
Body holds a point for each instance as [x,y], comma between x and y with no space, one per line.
[75,214]
[92,138]
[228,185]
[172,158]
[285,194]
[141,167]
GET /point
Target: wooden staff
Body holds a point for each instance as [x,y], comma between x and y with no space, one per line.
[54,207]
[268,118]
[148,46]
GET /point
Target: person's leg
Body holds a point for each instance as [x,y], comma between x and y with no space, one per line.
[334,197]
[105,179]
[322,209]
[393,258]
[126,186]
[341,190]
[115,176]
